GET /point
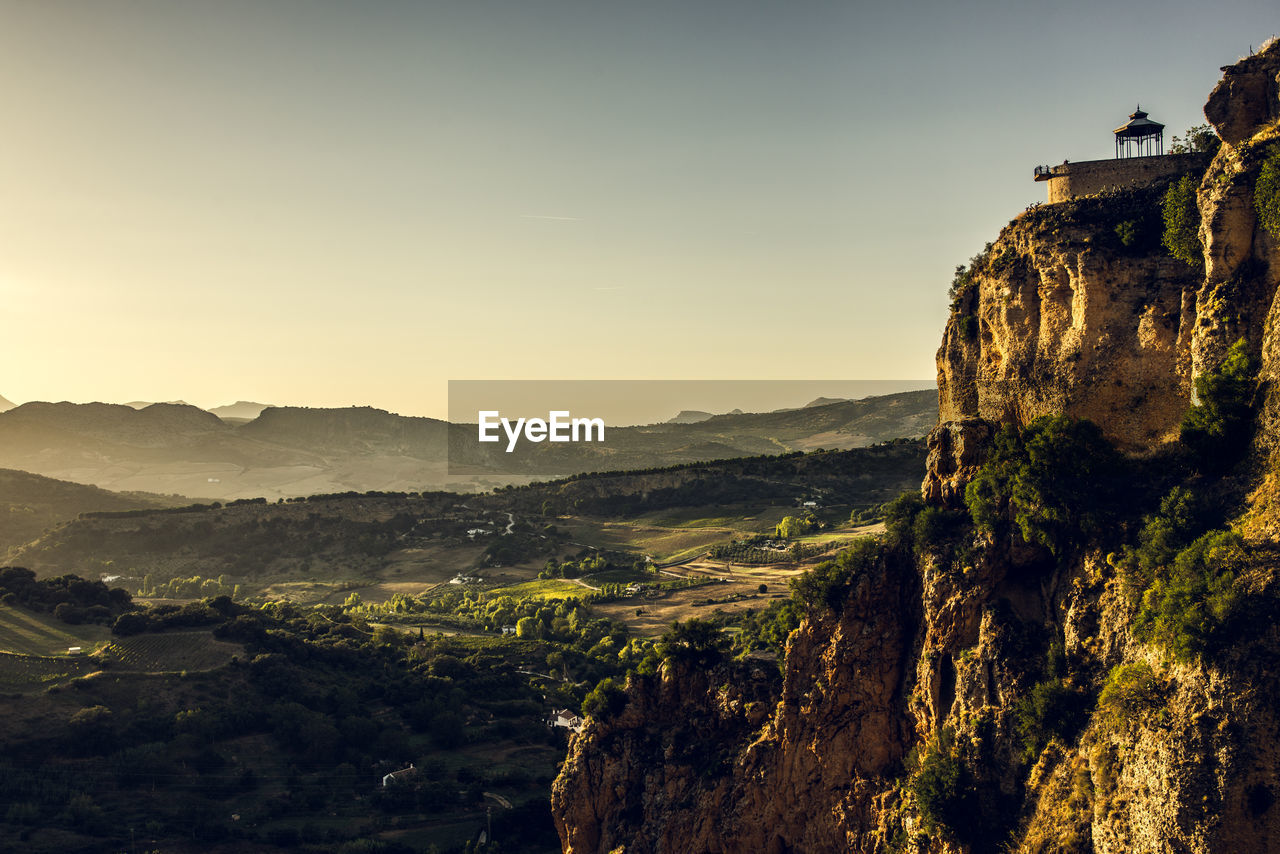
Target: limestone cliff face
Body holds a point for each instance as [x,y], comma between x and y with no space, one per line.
[800,767]
[1062,317]
[1076,308]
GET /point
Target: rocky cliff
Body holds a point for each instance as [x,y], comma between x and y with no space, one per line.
[977,690]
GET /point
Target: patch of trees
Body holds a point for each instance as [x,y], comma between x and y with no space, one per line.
[70,598]
[159,618]
[194,586]
[1266,192]
[1182,222]
[1056,484]
[302,726]
[516,548]
[1218,427]
[585,565]
[822,590]
[755,550]
[768,629]
[842,477]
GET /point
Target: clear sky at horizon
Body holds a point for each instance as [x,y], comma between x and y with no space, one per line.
[330,204]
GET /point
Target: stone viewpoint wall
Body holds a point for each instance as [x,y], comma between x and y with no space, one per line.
[1072,180]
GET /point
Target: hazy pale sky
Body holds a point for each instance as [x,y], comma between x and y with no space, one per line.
[330,204]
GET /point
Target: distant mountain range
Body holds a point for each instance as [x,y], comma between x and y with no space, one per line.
[696,416]
[291,451]
[241,409]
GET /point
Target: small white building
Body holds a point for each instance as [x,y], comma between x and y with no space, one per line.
[565,718]
[508,630]
[399,776]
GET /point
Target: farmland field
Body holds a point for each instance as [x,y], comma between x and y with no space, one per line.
[27,672]
[553,588]
[170,651]
[28,633]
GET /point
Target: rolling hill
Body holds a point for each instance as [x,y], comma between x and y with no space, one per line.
[293,451]
[340,538]
[30,504]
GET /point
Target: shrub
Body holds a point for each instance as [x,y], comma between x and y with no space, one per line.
[934,527]
[944,791]
[604,701]
[1051,710]
[1190,606]
[1128,232]
[1217,428]
[1182,222]
[823,588]
[1004,262]
[769,628]
[1266,193]
[964,283]
[1183,516]
[68,613]
[1055,483]
[131,623]
[693,641]
[1131,692]
[900,517]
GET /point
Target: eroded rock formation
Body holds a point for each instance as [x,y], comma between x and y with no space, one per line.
[1076,308]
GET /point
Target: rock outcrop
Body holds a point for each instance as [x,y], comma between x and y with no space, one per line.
[941,649]
[698,762]
[1059,315]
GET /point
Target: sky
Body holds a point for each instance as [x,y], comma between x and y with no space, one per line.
[331,204]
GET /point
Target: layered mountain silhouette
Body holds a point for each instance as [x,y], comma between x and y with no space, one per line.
[241,409]
[290,451]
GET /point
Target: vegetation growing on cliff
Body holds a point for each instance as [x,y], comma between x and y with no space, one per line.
[1266,193]
[1217,428]
[605,700]
[1183,516]
[944,790]
[1190,606]
[1055,483]
[823,588]
[1182,222]
[1051,709]
[1132,691]
[770,628]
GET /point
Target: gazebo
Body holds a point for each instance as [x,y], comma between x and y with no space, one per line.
[1139,137]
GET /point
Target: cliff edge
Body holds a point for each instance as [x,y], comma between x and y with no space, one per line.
[1079,654]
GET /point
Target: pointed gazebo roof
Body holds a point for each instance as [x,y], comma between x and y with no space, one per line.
[1141,134]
